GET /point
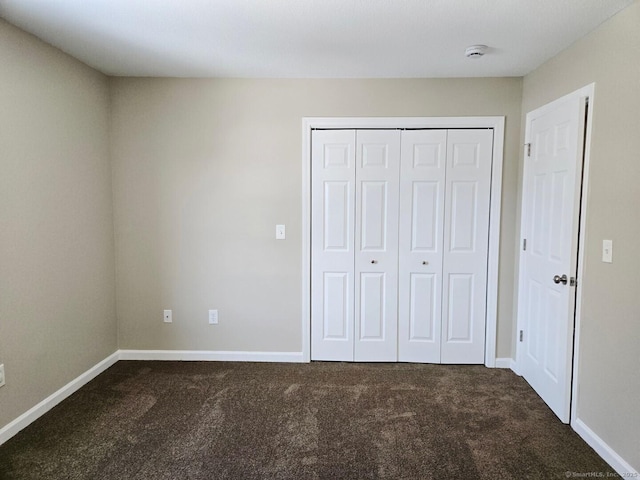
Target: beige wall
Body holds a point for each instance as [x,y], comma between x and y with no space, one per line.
[609,371]
[205,169]
[57,293]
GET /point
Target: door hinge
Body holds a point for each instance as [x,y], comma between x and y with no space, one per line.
[528,145]
[573,281]
[524,244]
[521,335]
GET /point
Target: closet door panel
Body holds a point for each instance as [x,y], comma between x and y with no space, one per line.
[423,322]
[373,217]
[336,216]
[422,195]
[372,306]
[460,290]
[336,293]
[466,242]
[332,244]
[376,240]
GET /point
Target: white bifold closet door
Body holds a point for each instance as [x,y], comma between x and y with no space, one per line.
[376,253]
[444,239]
[422,193]
[466,245]
[332,238]
[354,235]
[400,226]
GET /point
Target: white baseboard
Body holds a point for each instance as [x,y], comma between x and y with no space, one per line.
[8,431]
[605,451]
[55,398]
[204,355]
[506,363]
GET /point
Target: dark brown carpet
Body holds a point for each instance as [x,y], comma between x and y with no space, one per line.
[205,420]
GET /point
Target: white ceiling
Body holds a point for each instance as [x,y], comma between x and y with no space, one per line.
[310,38]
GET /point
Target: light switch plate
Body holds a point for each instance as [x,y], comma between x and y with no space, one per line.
[2,375]
[168,316]
[607,251]
[280,232]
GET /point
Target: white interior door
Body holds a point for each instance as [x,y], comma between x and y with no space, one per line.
[422,189]
[550,213]
[376,240]
[332,239]
[466,243]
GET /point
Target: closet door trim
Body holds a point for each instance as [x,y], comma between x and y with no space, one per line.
[495,123]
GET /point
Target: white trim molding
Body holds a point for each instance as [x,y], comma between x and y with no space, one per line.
[55,398]
[24,420]
[607,453]
[506,363]
[589,92]
[496,123]
[211,356]
[31,415]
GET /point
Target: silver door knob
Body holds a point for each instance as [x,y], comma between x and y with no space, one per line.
[560,279]
[374,261]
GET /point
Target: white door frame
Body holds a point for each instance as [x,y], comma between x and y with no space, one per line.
[584,92]
[495,123]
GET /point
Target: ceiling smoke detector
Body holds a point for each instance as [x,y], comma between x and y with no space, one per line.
[475,51]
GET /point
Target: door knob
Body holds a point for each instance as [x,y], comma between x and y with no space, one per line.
[560,279]
[374,261]
[425,262]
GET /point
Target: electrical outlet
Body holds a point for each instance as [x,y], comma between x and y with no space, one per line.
[168,316]
[213,317]
[2,375]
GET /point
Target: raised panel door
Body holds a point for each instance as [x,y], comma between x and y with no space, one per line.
[376,240]
[466,243]
[552,186]
[422,193]
[332,244]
